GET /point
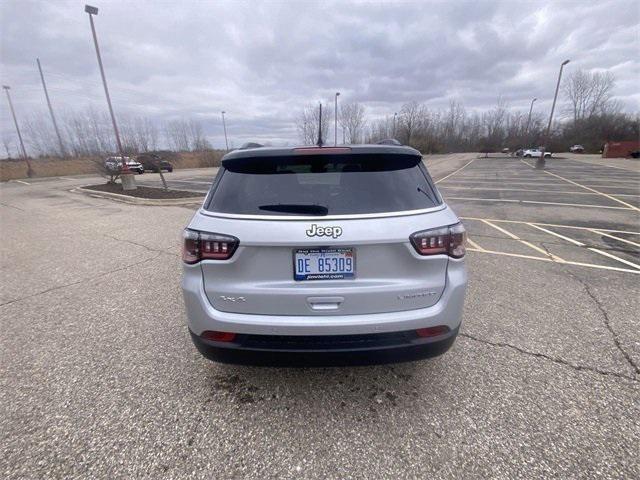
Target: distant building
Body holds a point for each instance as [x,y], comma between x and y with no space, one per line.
[620,149]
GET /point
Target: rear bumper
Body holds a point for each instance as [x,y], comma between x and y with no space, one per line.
[201,315]
[329,350]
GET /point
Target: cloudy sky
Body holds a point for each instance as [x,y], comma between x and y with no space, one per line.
[262,62]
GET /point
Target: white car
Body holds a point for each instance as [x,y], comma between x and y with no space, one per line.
[114,164]
[577,149]
[535,153]
[323,255]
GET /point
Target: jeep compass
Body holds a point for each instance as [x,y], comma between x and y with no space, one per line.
[323,255]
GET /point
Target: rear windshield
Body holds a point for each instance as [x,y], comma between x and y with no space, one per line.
[323,185]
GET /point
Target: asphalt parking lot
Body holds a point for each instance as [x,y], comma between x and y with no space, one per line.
[100,379]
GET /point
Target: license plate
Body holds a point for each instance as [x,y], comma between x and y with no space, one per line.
[324,264]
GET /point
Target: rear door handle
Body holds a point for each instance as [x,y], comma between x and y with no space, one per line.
[325,303]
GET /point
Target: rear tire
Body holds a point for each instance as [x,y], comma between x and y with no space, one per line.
[528,155]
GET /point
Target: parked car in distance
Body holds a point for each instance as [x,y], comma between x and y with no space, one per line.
[151,161]
[535,153]
[114,164]
[577,149]
[323,255]
[505,150]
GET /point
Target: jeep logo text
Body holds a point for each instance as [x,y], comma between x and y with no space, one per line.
[316,231]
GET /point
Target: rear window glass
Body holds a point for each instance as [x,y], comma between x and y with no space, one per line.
[323,185]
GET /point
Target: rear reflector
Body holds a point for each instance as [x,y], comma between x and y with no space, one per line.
[321,150]
[446,240]
[218,336]
[207,246]
[432,331]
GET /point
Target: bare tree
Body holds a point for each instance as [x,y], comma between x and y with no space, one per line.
[307,124]
[590,94]
[352,121]
[411,116]
[7,143]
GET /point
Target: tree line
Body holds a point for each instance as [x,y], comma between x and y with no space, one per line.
[591,117]
[89,132]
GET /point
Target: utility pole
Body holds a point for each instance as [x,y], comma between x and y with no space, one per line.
[335,130]
[541,161]
[53,117]
[320,125]
[395,116]
[224,125]
[128,181]
[15,121]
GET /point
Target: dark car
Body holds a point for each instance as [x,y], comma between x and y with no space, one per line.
[151,161]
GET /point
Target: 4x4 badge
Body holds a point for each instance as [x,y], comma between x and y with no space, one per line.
[316,231]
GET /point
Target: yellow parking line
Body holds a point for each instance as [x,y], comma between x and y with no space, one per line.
[600,232]
[513,200]
[587,188]
[451,174]
[524,242]
[543,259]
[549,225]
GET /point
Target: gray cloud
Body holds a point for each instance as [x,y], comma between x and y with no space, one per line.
[262,62]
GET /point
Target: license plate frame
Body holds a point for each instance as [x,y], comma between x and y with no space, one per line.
[323,276]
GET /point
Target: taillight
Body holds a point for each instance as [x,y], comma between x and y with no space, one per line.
[207,246]
[448,240]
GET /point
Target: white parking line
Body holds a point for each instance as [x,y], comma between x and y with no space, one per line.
[20,181]
[580,244]
[474,245]
[550,225]
[624,240]
[451,174]
[587,188]
[545,259]
[530,190]
[524,242]
[512,200]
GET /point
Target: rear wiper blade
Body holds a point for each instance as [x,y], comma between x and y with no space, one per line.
[296,208]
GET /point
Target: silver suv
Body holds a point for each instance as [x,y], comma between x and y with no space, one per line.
[323,255]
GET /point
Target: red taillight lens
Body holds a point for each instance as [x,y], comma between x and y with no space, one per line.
[207,246]
[432,331]
[449,240]
[218,336]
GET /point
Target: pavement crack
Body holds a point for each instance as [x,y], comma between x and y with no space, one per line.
[11,206]
[548,357]
[87,279]
[603,312]
[130,242]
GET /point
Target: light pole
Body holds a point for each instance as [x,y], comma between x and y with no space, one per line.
[335,129]
[395,116]
[15,121]
[529,119]
[53,117]
[128,181]
[224,125]
[541,162]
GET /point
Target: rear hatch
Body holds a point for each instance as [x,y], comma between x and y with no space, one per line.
[323,235]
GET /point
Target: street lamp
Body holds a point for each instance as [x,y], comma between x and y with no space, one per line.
[529,119]
[541,162]
[15,121]
[224,125]
[335,130]
[128,181]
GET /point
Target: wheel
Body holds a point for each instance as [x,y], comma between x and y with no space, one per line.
[528,155]
[169,170]
[141,171]
[547,155]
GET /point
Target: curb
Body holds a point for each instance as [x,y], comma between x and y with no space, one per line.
[138,201]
